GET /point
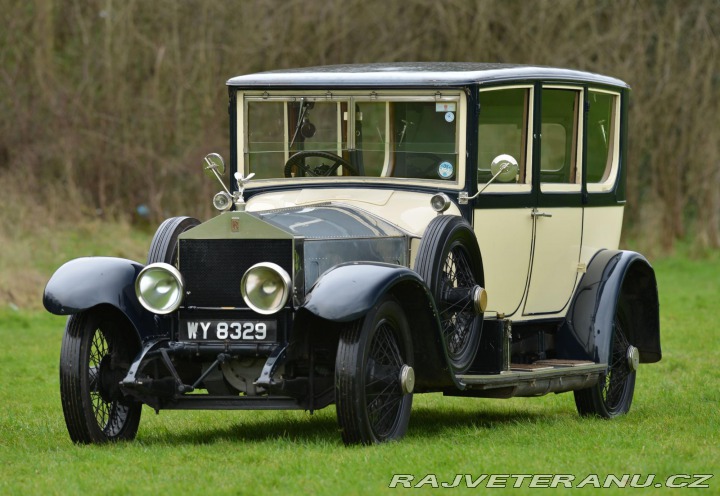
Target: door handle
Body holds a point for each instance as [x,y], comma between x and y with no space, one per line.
[537,213]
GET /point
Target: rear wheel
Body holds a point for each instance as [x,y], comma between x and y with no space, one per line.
[374,376]
[94,358]
[613,394]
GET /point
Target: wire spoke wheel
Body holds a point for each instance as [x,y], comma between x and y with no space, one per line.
[372,406]
[449,262]
[613,394]
[614,387]
[94,358]
[382,390]
[457,319]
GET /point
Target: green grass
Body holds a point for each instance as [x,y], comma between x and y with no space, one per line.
[672,428]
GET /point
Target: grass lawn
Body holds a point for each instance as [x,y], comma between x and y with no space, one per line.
[672,428]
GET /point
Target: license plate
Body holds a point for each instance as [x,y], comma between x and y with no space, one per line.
[243,331]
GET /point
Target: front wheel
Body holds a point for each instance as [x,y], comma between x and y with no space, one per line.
[449,262]
[164,245]
[374,377]
[94,358]
[613,394]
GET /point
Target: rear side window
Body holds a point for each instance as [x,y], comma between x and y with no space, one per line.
[602,137]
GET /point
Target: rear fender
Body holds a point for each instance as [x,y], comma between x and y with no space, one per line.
[84,283]
[613,278]
[348,291]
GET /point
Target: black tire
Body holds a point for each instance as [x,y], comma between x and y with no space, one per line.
[95,356]
[163,247]
[613,394]
[371,406]
[449,258]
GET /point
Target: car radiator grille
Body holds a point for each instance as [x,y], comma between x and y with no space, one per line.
[213,268]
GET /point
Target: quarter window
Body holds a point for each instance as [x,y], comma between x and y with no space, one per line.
[601,137]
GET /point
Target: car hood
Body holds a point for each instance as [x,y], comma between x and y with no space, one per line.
[329,221]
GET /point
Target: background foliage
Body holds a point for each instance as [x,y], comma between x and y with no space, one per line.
[110,104]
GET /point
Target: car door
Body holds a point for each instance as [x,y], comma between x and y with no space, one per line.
[502,212]
[557,216]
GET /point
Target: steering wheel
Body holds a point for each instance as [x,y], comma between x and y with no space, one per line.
[323,169]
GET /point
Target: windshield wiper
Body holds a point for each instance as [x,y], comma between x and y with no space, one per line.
[303,109]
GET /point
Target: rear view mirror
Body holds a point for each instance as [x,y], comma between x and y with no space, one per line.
[214,165]
[505,168]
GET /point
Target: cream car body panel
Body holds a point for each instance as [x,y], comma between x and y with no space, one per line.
[602,228]
[556,252]
[506,276]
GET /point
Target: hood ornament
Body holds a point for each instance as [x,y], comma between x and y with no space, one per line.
[241,182]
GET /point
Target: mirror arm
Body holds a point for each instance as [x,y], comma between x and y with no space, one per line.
[212,167]
[463,198]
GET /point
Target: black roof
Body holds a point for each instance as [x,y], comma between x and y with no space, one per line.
[405,74]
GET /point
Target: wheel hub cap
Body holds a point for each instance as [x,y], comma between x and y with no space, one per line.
[633,357]
[479,298]
[407,379]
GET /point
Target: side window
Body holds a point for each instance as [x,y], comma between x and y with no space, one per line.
[559,147]
[503,130]
[602,139]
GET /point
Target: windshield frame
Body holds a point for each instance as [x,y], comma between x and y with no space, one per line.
[350,97]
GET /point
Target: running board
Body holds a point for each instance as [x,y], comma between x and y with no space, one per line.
[536,379]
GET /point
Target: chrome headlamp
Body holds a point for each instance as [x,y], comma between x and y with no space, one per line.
[265,287]
[222,201]
[440,202]
[160,288]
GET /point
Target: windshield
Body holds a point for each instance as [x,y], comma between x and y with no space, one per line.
[319,134]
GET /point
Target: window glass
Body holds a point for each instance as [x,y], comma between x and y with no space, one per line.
[413,137]
[265,152]
[424,140]
[314,126]
[558,150]
[600,136]
[502,129]
[371,136]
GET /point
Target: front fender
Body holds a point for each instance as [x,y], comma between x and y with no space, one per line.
[84,283]
[347,291]
[613,278]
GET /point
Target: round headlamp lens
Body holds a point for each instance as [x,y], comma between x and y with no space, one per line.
[159,288]
[222,201]
[440,202]
[265,287]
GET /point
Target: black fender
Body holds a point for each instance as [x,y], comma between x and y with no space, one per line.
[348,291]
[613,277]
[87,282]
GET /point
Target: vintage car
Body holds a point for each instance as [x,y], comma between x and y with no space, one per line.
[384,230]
